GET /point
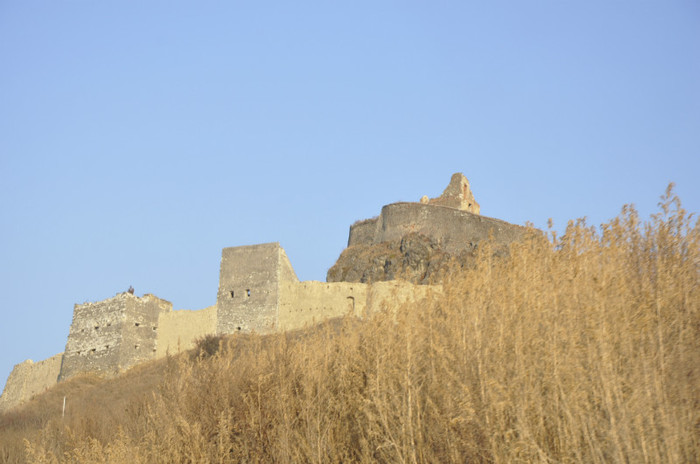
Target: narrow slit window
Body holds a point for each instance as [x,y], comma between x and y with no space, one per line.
[232,294]
[247,291]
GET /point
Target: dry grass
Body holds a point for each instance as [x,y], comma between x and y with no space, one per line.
[580,348]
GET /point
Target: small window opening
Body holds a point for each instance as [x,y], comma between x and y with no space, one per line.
[247,291]
[136,324]
[154,328]
[107,346]
[97,327]
[79,353]
[109,324]
[93,350]
[232,294]
[238,328]
[136,347]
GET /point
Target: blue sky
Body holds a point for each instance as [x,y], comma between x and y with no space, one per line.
[138,139]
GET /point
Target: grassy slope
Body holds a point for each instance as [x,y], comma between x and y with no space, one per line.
[582,348]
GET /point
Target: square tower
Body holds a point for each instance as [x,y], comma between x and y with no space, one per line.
[112,335]
[249,288]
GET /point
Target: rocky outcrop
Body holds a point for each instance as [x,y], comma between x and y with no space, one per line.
[414,257]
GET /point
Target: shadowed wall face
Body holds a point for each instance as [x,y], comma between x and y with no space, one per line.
[248,295]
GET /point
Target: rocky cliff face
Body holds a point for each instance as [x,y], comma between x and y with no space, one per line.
[414,257]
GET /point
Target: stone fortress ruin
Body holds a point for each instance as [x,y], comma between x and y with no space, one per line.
[258,292]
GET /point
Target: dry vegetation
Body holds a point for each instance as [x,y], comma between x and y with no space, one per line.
[580,348]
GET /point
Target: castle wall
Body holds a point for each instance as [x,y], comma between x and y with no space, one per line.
[178,330]
[94,337]
[258,291]
[140,329]
[454,229]
[307,303]
[248,295]
[363,232]
[390,295]
[112,335]
[28,379]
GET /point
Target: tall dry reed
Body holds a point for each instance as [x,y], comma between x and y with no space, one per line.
[579,348]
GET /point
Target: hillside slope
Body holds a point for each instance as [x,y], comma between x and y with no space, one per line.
[580,348]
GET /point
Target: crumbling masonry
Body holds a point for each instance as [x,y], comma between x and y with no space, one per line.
[258,292]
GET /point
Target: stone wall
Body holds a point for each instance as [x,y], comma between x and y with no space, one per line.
[455,230]
[112,335]
[307,303]
[391,295]
[141,329]
[259,291]
[178,330]
[363,231]
[248,295]
[458,194]
[28,379]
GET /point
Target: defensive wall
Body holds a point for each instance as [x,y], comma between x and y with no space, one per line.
[112,335]
[453,229]
[178,330]
[249,288]
[258,292]
[28,379]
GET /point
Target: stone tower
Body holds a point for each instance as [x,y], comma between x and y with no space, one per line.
[112,335]
[249,288]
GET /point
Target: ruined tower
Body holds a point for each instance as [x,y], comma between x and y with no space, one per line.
[457,195]
[112,335]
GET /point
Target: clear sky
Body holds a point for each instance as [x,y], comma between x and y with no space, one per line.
[138,139]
